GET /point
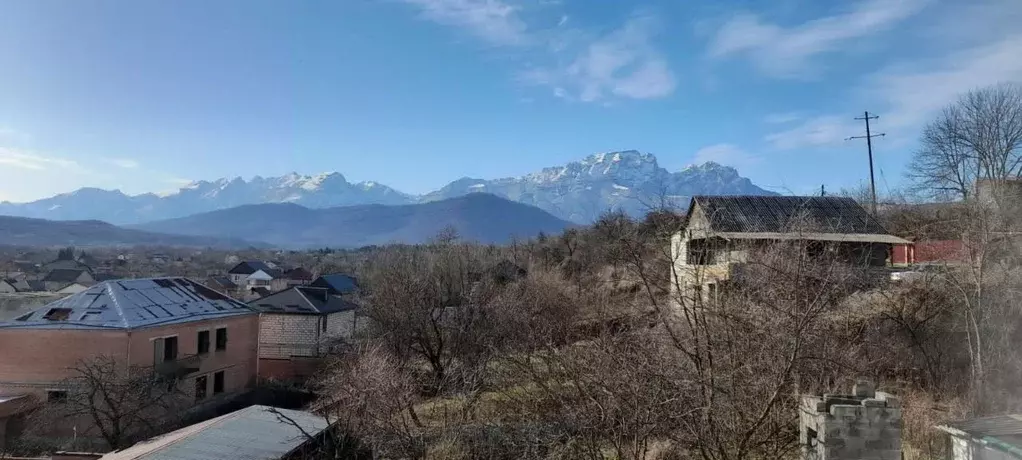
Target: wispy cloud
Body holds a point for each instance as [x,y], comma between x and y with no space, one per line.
[624,63]
[910,93]
[126,163]
[787,51]
[915,91]
[573,63]
[814,132]
[725,154]
[495,21]
[32,161]
[782,118]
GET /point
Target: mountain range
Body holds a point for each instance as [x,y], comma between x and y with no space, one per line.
[578,191]
[24,231]
[479,217]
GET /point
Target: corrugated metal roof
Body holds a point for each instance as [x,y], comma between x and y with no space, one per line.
[825,214]
[998,425]
[132,303]
[1001,432]
[255,432]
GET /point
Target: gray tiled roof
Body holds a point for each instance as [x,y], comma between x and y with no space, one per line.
[302,300]
[255,432]
[131,304]
[63,275]
[828,214]
[337,283]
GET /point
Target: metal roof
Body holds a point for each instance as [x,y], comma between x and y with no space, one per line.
[823,214]
[249,267]
[302,300]
[339,283]
[1002,432]
[131,304]
[64,275]
[255,432]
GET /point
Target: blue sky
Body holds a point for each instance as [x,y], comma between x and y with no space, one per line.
[146,95]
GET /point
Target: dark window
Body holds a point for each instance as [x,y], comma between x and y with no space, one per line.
[221,338]
[200,387]
[58,314]
[218,382]
[203,342]
[169,348]
[56,396]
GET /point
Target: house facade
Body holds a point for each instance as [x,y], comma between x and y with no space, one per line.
[722,232]
[297,327]
[202,341]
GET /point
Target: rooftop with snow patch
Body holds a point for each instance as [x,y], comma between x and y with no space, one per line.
[132,304]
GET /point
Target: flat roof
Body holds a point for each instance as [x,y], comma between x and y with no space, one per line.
[255,432]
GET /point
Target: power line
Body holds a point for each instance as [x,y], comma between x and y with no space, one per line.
[869,148]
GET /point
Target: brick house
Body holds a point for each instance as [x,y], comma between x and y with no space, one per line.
[297,326]
[176,326]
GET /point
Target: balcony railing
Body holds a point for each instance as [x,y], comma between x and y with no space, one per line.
[180,367]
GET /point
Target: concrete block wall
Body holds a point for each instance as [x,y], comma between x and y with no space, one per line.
[864,425]
[340,324]
[282,336]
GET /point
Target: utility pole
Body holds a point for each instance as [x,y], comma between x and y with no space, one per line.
[869,147]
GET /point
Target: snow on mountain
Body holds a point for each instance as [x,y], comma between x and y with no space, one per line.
[628,180]
[578,191]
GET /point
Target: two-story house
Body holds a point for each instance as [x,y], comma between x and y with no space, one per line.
[252,274]
[721,232]
[203,341]
[297,326]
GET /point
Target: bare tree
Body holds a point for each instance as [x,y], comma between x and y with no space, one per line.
[977,137]
[119,403]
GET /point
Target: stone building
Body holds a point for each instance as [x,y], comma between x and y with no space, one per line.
[865,425]
[721,232]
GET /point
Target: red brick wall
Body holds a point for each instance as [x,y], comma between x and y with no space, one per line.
[239,361]
[46,356]
[37,356]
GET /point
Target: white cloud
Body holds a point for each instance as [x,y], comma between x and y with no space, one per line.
[26,160]
[782,118]
[787,51]
[725,154]
[815,132]
[574,64]
[909,94]
[126,163]
[492,20]
[915,91]
[624,64]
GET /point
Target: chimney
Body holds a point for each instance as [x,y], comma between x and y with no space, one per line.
[865,424]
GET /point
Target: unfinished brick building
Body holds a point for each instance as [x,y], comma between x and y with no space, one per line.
[865,425]
[208,342]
